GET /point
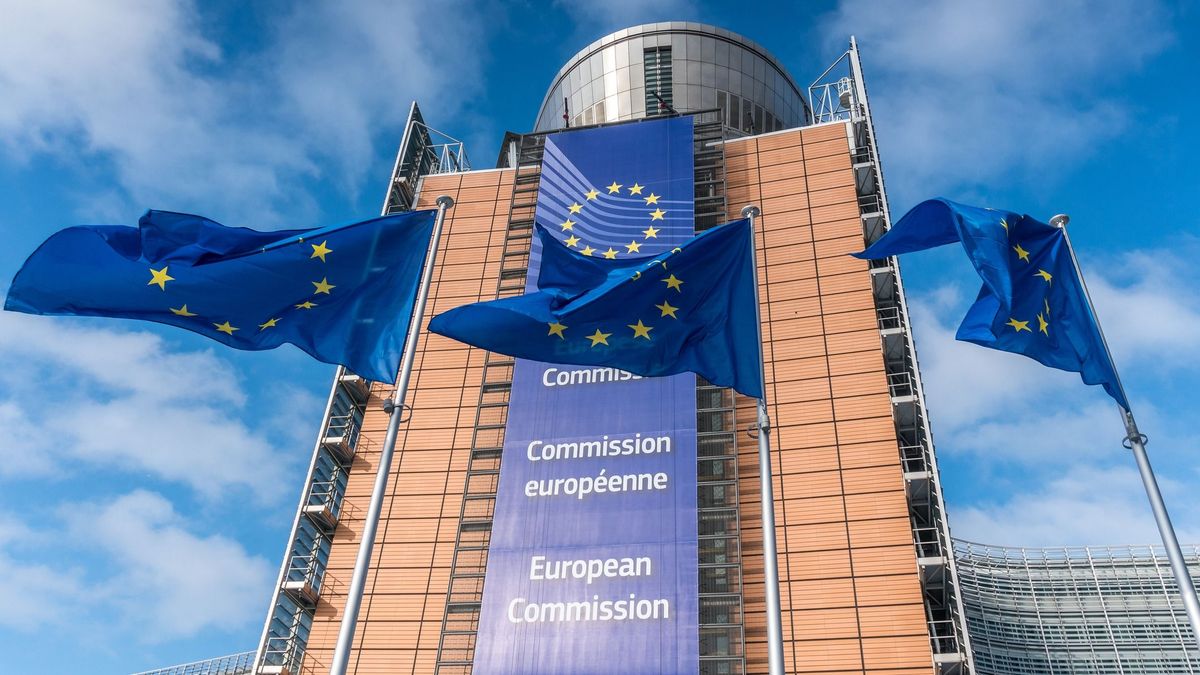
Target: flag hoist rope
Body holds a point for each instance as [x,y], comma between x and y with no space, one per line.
[394,407]
[766,488]
[1136,441]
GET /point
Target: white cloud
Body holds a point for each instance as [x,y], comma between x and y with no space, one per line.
[148,577]
[128,402]
[171,582]
[986,89]
[1086,505]
[138,86]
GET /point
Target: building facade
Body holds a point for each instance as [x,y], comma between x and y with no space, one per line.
[867,571]
[1051,611]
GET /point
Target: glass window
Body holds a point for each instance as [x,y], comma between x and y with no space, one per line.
[658,80]
[723,104]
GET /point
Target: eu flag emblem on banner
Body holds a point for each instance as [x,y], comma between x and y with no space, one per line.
[1032,302]
[618,192]
[690,309]
[343,294]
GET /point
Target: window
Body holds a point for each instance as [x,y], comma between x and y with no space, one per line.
[658,80]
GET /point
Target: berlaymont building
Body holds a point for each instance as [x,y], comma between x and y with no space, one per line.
[870,580]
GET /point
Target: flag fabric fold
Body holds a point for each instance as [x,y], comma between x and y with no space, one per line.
[691,309]
[343,294]
[1032,301]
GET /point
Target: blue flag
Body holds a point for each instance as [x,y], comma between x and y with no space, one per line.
[1032,301]
[343,294]
[690,309]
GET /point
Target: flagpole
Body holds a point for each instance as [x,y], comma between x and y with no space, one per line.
[393,407]
[766,487]
[1136,441]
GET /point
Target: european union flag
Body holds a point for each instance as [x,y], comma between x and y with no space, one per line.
[343,294]
[690,309]
[1032,301]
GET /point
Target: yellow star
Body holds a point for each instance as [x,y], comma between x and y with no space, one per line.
[667,309]
[1004,224]
[633,247]
[650,232]
[320,250]
[676,250]
[269,324]
[1044,274]
[159,277]
[567,224]
[1046,302]
[657,214]
[640,330]
[323,286]
[182,311]
[1021,253]
[591,194]
[1018,325]
[306,305]
[575,208]
[610,254]
[672,282]
[557,328]
[571,241]
[598,338]
[652,199]
[226,328]
[636,275]
[587,250]
[1043,324]
[614,188]
[635,189]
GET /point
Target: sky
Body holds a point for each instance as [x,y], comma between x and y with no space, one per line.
[150,475]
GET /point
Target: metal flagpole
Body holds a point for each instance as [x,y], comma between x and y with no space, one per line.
[766,488]
[1136,441]
[393,407]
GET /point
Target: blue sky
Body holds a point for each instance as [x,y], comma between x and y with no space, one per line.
[150,475]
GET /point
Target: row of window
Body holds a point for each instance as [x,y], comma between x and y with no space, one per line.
[291,621]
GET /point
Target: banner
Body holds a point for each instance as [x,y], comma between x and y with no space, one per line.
[592,566]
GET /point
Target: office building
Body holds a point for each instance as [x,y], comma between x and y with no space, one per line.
[867,570]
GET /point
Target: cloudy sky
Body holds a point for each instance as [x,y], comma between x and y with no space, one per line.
[150,476]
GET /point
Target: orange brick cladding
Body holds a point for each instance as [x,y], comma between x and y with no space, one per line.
[849,585]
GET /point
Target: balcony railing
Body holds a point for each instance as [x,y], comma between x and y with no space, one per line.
[281,656]
[901,385]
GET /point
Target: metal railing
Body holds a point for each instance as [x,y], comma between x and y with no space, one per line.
[306,568]
[890,318]
[901,384]
[233,664]
[928,542]
[327,493]
[913,458]
[282,652]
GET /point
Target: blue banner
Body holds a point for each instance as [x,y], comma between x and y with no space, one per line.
[592,566]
